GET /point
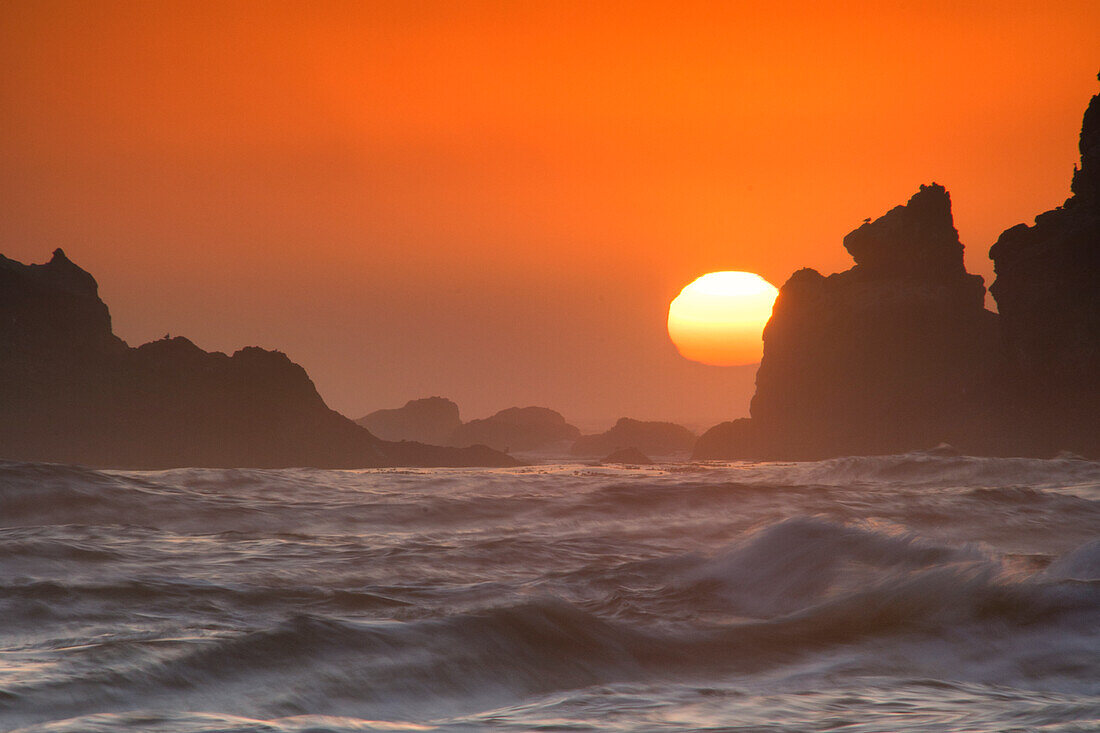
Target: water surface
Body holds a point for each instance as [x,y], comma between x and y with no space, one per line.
[898,593]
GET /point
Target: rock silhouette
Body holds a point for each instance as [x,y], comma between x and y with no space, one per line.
[1048,294]
[71,391]
[734,439]
[516,429]
[659,438]
[428,420]
[898,354]
[895,353]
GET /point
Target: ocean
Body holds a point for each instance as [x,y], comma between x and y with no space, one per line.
[918,592]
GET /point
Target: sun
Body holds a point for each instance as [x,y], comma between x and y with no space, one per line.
[719,318]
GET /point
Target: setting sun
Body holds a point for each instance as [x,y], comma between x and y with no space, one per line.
[718,319]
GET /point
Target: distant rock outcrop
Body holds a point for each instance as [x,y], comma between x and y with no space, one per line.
[734,439]
[896,353]
[516,429]
[654,438]
[429,420]
[1048,294]
[71,391]
[628,456]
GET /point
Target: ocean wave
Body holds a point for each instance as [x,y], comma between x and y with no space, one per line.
[931,598]
[799,562]
[274,595]
[930,469]
[194,596]
[1081,564]
[46,493]
[148,721]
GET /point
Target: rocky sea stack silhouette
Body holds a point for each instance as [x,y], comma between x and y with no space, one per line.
[898,352]
[428,420]
[880,357]
[653,438]
[516,429]
[71,391]
[1048,294]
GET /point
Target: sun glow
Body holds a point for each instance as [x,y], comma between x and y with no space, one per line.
[719,318]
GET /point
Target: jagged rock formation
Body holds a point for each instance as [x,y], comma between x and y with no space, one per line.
[895,353]
[1048,294]
[656,438]
[429,420]
[516,429]
[71,391]
[628,456]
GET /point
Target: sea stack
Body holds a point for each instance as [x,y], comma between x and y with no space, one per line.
[516,429]
[1048,294]
[427,420]
[896,353]
[650,437]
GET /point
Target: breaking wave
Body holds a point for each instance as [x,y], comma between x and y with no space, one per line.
[337,600]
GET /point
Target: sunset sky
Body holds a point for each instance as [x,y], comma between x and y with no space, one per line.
[496,201]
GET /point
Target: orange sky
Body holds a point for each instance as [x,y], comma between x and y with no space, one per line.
[495,201]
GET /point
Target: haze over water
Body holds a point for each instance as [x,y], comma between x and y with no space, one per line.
[897,593]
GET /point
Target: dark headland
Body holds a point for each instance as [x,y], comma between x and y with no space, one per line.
[898,352]
[71,391]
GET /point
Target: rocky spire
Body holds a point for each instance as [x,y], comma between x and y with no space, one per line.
[1086,179]
[917,240]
